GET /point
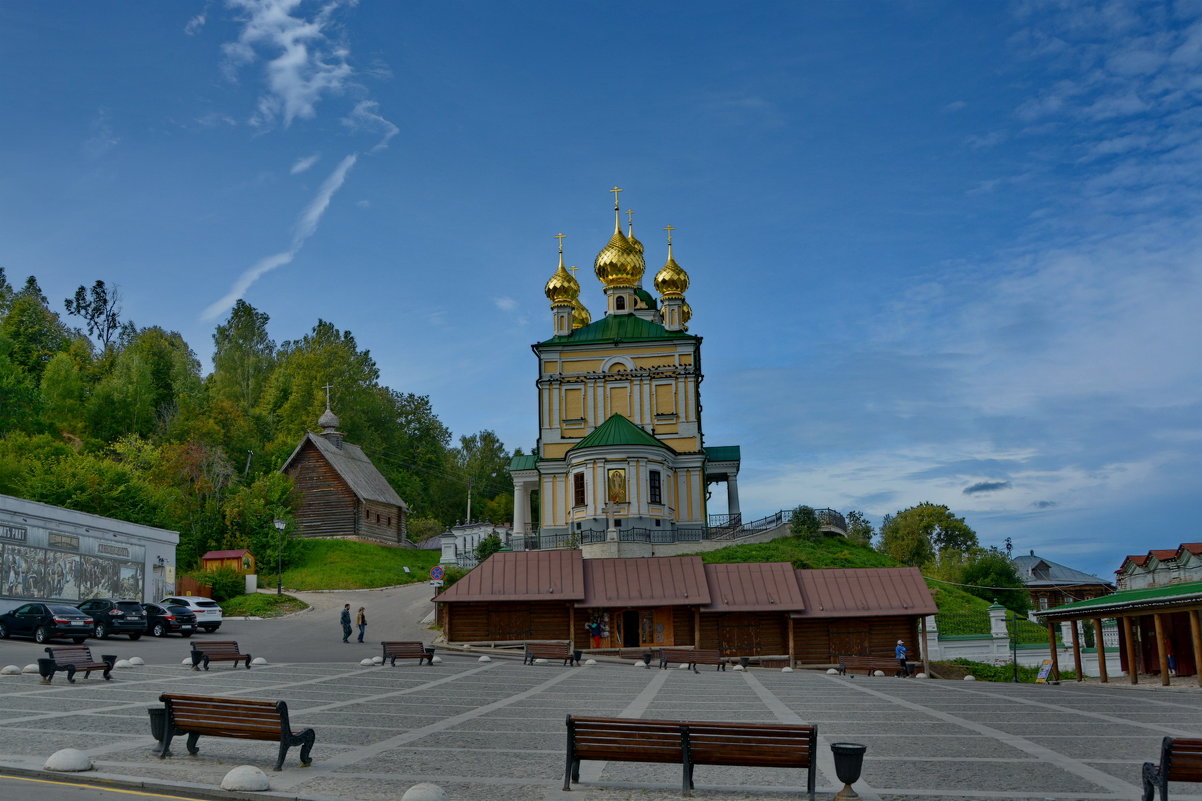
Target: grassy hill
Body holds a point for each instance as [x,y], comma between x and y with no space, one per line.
[350,565]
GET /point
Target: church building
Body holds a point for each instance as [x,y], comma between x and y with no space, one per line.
[621,448]
[342,494]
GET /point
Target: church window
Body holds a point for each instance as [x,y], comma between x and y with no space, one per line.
[654,492]
[620,303]
[578,489]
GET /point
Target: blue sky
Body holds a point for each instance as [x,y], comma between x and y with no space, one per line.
[940,251]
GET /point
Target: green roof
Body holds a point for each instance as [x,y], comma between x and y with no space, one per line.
[723,453]
[618,327]
[645,296]
[617,430]
[1185,592]
[523,461]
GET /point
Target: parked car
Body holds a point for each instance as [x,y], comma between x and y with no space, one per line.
[115,617]
[170,619]
[208,613]
[45,622]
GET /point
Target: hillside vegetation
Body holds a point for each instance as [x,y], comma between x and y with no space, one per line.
[350,565]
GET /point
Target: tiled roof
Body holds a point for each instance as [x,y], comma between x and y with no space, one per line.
[353,466]
[1037,571]
[522,576]
[864,591]
[753,587]
[1165,555]
[663,581]
[617,430]
[618,328]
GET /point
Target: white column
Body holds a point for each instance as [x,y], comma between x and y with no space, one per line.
[521,507]
[732,494]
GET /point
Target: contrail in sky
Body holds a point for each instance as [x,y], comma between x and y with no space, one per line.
[306,225]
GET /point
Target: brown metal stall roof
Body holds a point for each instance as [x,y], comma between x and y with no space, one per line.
[753,587]
[662,581]
[864,592]
[522,576]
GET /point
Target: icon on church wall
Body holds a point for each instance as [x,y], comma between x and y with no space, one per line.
[617,485]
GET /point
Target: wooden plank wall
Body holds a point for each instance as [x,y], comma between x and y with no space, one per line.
[328,507]
[381,522]
[745,633]
[482,622]
[814,640]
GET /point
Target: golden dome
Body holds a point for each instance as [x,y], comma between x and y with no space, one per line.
[686,314]
[580,315]
[671,280]
[562,288]
[634,243]
[619,263]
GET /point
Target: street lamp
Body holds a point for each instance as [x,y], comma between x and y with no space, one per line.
[280,525]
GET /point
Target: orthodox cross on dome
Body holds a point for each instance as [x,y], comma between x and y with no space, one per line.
[573,270]
[327,388]
[561,237]
[669,229]
[630,216]
[616,190]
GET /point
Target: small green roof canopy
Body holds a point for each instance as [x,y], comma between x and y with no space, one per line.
[617,430]
[618,327]
[1148,598]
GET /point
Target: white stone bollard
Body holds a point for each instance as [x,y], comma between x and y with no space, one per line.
[258,660]
[246,779]
[540,661]
[10,670]
[30,669]
[187,661]
[366,662]
[921,676]
[738,667]
[970,677]
[123,663]
[485,658]
[436,660]
[425,792]
[878,673]
[137,661]
[786,669]
[590,661]
[377,660]
[637,663]
[68,760]
[832,672]
[683,666]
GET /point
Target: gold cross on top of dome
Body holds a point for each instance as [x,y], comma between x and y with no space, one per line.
[573,270]
[616,190]
[561,237]
[669,229]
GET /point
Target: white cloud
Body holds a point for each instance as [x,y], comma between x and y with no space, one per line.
[304,62]
[306,226]
[303,164]
[506,304]
[366,117]
[955,105]
[195,24]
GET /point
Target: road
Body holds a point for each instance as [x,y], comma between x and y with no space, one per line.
[19,788]
[395,613]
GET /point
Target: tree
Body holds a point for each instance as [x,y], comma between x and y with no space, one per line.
[63,393]
[804,523]
[481,459]
[914,535]
[243,357]
[991,575]
[100,309]
[858,528]
[6,293]
[35,332]
[20,401]
[488,546]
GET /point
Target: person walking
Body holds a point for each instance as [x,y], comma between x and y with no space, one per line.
[345,620]
[900,652]
[361,621]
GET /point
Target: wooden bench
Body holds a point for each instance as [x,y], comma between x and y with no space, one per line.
[550,650]
[1180,761]
[690,743]
[73,658]
[217,651]
[243,718]
[691,657]
[407,650]
[868,665]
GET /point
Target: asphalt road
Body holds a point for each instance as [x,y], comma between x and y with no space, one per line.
[18,788]
[314,635]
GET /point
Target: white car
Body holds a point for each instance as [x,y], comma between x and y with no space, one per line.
[208,613]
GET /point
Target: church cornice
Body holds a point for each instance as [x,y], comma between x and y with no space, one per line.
[664,371]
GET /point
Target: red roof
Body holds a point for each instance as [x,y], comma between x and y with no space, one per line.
[1164,555]
[663,581]
[225,554]
[753,587]
[864,592]
[522,576]
[1193,547]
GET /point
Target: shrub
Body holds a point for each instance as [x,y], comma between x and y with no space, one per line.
[225,582]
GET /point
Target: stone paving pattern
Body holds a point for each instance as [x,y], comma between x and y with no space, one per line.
[495,731]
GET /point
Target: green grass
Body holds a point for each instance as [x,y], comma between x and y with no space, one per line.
[261,605]
[958,668]
[350,565]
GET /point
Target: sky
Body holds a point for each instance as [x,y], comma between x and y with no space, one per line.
[939,251]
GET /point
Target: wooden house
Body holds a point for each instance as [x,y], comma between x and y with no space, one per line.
[342,494]
[1051,584]
[239,561]
[809,617]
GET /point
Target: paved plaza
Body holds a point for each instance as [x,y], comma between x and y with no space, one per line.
[495,730]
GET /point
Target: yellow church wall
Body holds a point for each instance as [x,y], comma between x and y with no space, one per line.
[556,450]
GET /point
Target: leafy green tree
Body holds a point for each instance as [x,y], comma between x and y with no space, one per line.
[250,515]
[243,357]
[858,528]
[481,459]
[100,309]
[6,293]
[990,574]
[34,331]
[488,546]
[804,523]
[20,401]
[90,483]
[421,529]
[63,391]
[913,536]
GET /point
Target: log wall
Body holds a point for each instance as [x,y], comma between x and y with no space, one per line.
[328,507]
[487,622]
[745,633]
[821,642]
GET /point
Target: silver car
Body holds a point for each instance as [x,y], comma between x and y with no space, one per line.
[207,611]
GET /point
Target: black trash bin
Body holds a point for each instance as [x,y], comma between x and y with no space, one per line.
[849,762]
[158,722]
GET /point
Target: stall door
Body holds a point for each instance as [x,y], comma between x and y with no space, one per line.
[738,635]
[511,623]
[849,639]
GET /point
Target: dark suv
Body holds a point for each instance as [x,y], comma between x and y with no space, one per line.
[45,622]
[115,617]
[164,620]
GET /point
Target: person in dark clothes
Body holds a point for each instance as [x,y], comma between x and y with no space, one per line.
[345,619]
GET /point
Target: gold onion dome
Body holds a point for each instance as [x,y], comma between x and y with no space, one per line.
[562,287]
[619,263]
[634,243]
[686,313]
[580,315]
[671,280]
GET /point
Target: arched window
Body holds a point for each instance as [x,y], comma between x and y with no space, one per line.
[620,303]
